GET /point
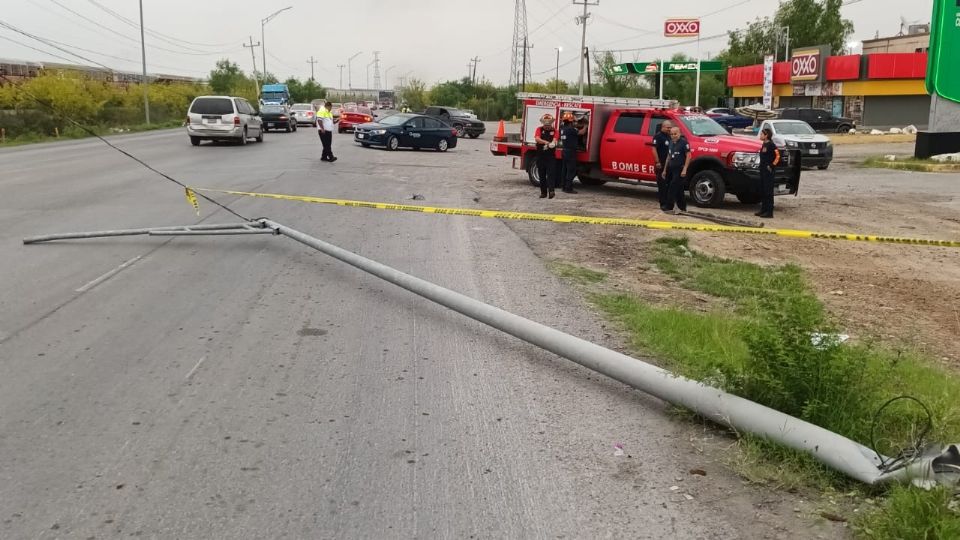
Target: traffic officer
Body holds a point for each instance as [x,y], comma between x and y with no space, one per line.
[661,149]
[546,139]
[769,159]
[325,130]
[568,145]
[675,171]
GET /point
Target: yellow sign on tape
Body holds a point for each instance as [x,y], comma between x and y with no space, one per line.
[561,218]
[192,199]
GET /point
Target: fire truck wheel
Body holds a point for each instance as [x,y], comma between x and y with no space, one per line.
[532,173]
[707,189]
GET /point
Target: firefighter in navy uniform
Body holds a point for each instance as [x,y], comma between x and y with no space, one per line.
[675,170]
[569,138]
[769,159]
[661,150]
[546,139]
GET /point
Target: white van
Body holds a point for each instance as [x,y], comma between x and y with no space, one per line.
[223,118]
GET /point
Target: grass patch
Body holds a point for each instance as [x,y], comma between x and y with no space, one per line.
[75,133]
[911,513]
[761,349]
[579,274]
[911,164]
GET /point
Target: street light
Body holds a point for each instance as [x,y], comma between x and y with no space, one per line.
[556,89]
[263,40]
[368,72]
[350,69]
[852,45]
[386,77]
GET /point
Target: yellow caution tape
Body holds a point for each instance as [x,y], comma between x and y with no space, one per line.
[192,199]
[561,218]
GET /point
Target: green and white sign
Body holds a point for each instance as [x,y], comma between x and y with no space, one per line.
[943,77]
[636,68]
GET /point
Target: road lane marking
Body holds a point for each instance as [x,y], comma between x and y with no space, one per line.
[108,275]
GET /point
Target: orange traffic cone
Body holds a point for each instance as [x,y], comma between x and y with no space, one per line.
[501,136]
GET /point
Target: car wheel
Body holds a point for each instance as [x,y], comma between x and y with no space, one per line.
[473,135]
[749,197]
[393,143]
[243,138]
[844,128]
[461,131]
[442,145]
[707,189]
[260,136]
[532,173]
[195,141]
[823,167]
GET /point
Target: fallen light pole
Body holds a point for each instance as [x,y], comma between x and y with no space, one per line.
[936,465]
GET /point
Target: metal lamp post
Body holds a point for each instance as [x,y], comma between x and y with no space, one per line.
[556,77]
[263,40]
[386,77]
[350,69]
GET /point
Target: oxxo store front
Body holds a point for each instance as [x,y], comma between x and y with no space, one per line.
[875,90]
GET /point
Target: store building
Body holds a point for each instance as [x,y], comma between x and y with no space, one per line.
[875,89]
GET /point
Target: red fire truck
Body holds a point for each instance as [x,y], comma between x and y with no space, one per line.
[618,147]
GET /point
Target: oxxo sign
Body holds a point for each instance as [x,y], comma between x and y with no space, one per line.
[681,28]
[806,65]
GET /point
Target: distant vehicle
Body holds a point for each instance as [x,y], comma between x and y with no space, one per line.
[407,131]
[336,109]
[691,109]
[815,150]
[732,121]
[719,111]
[466,124]
[223,118]
[619,140]
[278,117]
[352,117]
[819,119]
[275,94]
[304,113]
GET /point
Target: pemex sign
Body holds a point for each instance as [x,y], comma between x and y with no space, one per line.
[943,77]
[668,67]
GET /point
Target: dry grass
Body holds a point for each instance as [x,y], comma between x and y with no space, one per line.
[861,138]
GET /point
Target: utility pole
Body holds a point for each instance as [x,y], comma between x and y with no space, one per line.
[341,66]
[556,76]
[144,83]
[376,70]
[386,77]
[350,69]
[519,57]
[253,57]
[312,63]
[473,71]
[263,36]
[582,20]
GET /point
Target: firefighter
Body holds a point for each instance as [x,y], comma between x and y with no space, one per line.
[546,139]
[676,170]
[661,150]
[769,159]
[569,139]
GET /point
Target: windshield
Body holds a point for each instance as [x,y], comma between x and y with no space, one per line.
[793,128]
[702,126]
[395,120]
[271,109]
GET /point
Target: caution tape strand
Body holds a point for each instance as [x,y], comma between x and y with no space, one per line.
[587,220]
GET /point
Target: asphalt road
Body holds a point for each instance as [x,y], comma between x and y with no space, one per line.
[251,388]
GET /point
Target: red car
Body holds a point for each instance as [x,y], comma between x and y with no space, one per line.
[353,117]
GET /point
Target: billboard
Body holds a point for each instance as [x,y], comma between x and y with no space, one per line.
[943,78]
[681,28]
[768,81]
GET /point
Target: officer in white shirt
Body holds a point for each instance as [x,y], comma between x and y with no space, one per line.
[325,129]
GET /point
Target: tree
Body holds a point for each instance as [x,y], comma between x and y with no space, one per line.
[414,95]
[683,86]
[225,77]
[616,85]
[811,22]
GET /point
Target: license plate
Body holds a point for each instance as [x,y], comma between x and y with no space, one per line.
[360,135]
[269,124]
[814,151]
[209,121]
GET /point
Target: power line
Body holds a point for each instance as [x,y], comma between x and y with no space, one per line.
[667,46]
[154,32]
[22,44]
[9,26]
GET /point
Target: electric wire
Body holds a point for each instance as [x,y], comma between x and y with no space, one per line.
[85,129]
[154,33]
[906,455]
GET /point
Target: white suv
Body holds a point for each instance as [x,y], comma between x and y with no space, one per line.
[223,118]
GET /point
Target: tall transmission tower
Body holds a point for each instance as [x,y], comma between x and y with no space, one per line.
[376,70]
[520,60]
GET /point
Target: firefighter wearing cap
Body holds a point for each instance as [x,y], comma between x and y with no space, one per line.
[546,139]
[569,138]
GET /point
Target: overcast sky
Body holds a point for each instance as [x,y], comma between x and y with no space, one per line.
[429,39]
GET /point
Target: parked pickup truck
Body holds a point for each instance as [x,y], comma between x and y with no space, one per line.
[466,124]
[618,147]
